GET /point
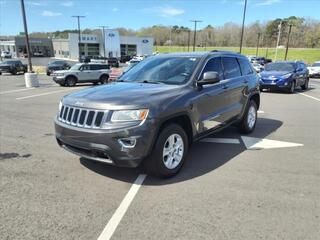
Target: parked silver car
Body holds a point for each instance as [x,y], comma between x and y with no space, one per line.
[82,73]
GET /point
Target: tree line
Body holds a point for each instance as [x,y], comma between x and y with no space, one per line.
[305,33]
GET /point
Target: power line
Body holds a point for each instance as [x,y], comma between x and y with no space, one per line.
[195,30]
[78,17]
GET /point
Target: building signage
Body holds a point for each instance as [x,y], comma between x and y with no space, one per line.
[145,40]
[111,34]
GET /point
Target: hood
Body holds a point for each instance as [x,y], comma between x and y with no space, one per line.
[274,73]
[5,65]
[54,65]
[122,95]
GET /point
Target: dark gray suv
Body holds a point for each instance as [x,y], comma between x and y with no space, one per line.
[158,108]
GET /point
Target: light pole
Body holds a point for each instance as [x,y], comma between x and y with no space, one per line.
[170,37]
[103,39]
[195,32]
[243,20]
[278,40]
[258,44]
[285,56]
[189,32]
[26,33]
[79,43]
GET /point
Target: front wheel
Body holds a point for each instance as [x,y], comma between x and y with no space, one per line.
[305,85]
[104,79]
[71,81]
[169,152]
[292,87]
[249,120]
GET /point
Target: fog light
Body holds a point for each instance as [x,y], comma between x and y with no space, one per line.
[286,83]
[127,142]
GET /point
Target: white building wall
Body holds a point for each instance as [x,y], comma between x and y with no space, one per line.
[112,42]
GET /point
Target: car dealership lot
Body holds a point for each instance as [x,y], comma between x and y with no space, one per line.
[233,189]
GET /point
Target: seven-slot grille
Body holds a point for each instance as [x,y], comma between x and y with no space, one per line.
[81,117]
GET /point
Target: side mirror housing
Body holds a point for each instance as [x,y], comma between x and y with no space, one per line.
[209,78]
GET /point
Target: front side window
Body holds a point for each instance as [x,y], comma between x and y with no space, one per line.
[231,67]
[85,67]
[164,69]
[213,65]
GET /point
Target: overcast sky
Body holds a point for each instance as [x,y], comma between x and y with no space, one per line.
[52,15]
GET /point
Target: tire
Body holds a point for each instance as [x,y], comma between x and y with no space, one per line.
[292,87]
[14,72]
[104,79]
[159,164]
[48,74]
[305,85]
[249,120]
[62,84]
[71,81]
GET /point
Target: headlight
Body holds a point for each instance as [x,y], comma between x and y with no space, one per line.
[129,115]
[60,106]
[287,75]
[59,74]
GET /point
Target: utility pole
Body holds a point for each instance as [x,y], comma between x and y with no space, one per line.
[170,36]
[243,20]
[278,40]
[285,56]
[189,32]
[104,40]
[79,33]
[26,34]
[258,44]
[195,32]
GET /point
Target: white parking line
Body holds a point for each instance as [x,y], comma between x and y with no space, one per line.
[121,210]
[317,99]
[17,90]
[43,94]
[260,111]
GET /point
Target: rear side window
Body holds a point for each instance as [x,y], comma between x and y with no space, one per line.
[85,67]
[231,67]
[213,65]
[94,67]
[104,66]
[245,66]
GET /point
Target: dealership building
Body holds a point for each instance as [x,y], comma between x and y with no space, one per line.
[18,47]
[93,45]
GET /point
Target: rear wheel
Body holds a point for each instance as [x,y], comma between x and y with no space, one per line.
[248,122]
[71,81]
[305,85]
[14,72]
[104,79]
[169,152]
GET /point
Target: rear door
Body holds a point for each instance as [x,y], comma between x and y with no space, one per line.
[234,87]
[95,71]
[209,100]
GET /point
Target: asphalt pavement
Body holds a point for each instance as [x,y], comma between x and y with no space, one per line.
[261,186]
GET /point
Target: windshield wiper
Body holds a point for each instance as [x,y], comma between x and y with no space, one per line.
[146,81]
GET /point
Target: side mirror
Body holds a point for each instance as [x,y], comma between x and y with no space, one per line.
[209,78]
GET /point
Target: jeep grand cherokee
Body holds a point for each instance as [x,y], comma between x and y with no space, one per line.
[158,108]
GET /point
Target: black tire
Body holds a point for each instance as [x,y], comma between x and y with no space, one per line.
[62,84]
[292,87]
[0,73]
[155,164]
[71,81]
[48,74]
[104,79]
[244,125]
[14,72]
[305,85]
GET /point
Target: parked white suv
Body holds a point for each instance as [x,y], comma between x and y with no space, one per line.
[314,69]
[82,73]
[6,54]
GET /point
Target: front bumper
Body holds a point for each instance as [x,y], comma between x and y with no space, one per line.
[103,145]
[275,84]
[6,70]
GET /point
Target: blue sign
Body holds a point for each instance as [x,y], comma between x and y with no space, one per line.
[145,40]
[111,34]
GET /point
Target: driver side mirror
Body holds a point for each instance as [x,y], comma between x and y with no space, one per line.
[209,78]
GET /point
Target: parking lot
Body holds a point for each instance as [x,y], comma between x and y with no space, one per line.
[261,186]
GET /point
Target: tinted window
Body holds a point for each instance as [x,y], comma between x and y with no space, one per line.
[245,66]
[85,67]
[213,65]
[104,66]
[231,67]
[94,67]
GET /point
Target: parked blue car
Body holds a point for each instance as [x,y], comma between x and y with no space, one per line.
[284,75]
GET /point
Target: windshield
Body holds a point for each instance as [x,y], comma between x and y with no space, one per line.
[169,70]
[316,64]
[280,67]
[76,67]
[10,62]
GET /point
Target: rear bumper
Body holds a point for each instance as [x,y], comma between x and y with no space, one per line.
[104,146]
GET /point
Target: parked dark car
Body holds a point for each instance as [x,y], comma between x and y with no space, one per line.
[13,67]
[57,65]
[285,75]
[113,62]
[158,108]
[125,58]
